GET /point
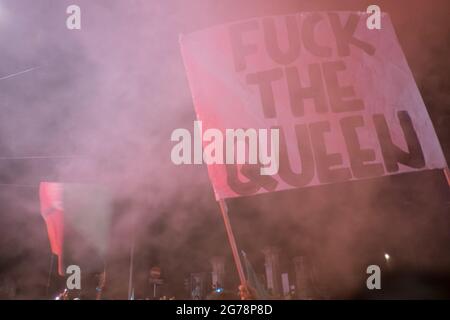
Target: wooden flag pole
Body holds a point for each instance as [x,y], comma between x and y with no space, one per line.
[49,274]
[130,274]
[447,175]
[234,249]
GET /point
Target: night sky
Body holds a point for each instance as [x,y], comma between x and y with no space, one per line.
[103,102]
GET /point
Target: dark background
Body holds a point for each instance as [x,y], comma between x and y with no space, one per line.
[112,93]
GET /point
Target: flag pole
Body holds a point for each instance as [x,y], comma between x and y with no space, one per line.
[231,239]
[49,274]
[447,175]
[130,276]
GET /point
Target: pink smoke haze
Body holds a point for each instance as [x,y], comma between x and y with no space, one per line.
[107,97]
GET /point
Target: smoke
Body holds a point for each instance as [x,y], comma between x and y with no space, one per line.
[108,97]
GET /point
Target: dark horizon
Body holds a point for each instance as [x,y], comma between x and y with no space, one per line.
[109,101]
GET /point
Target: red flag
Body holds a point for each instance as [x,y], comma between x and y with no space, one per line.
[51,196]
[82,210]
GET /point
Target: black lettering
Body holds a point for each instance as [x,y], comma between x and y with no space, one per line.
[315,91]
[307,161]
[336,94]
[255,179]
[253,173]
[238,186]
[344,35]
[359,156]
[309,42]
[263,80]
[273,45]
[392,154]
[324,160]
[241,50]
